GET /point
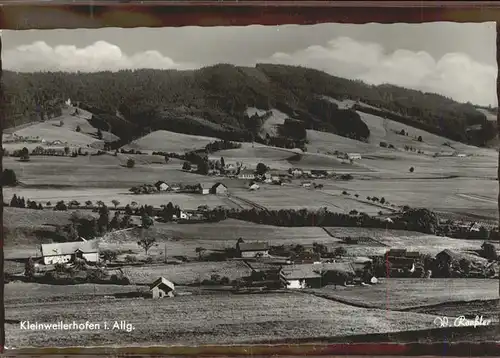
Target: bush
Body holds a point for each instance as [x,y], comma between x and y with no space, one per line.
[130,163]
[383,144]
[412,170]
[9,178]
[130,259]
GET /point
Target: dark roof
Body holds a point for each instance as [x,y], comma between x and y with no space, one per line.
[397,252]
[253,246]
[304,271]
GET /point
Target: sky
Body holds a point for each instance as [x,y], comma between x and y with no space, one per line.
[455,60]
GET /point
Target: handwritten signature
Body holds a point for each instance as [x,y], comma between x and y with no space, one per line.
[462,322]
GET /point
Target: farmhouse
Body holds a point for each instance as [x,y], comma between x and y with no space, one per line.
[218,189]
[162,288]
[252,249]
[246,174]
[300,276]
[296,172]
[401,262]
[316,275]
[162,186]
[182,216]
[68,251]
[306,184]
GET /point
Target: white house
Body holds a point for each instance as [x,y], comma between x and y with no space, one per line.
[306,184]
[253,249]
[67,251]
[254,187]
[162,288]
[162,186]
[461,155]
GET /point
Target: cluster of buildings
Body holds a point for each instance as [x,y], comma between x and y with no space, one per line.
[200,188]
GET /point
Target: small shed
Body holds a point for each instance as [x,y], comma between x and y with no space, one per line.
[218,189]
[162,288]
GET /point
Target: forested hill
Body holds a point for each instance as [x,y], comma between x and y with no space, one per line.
[213,101]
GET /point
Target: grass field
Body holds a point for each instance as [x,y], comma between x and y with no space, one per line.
[296,197]
[183,239]
[22,292]
[405,293]
[51,131]
[166,141]
[205,319]
[104,171]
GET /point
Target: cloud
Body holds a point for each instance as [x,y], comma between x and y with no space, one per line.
[454,75]
[101,56]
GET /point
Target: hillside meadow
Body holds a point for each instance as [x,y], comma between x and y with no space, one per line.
[206,319]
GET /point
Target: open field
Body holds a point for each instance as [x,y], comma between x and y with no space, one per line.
[206,319]
[183,239]
[185,201]
[295,197]
[166,141]
[406,293]
[22,292]
[477,196]
[103,171]
[51,130]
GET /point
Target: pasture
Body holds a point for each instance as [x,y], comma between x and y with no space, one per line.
[406,293]
[275,197]
[204,319]
[166,141]
[103,171]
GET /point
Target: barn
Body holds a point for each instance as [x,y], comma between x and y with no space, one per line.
[67,251]
[162,288]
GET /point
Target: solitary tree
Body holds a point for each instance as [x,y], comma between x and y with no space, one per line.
[166,159]
[88,203]
[222,162]
[199,251]
[66,150]
[489,251]
[115,203]
[99,134]
[146,243]
[420,138]
[412,170]
[78,129]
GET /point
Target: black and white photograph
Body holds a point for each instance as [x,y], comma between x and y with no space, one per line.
[250,185]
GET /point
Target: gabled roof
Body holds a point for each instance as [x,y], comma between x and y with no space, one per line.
[68,248]
[253,246]
[216,185]
[299,272]
[162,283]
